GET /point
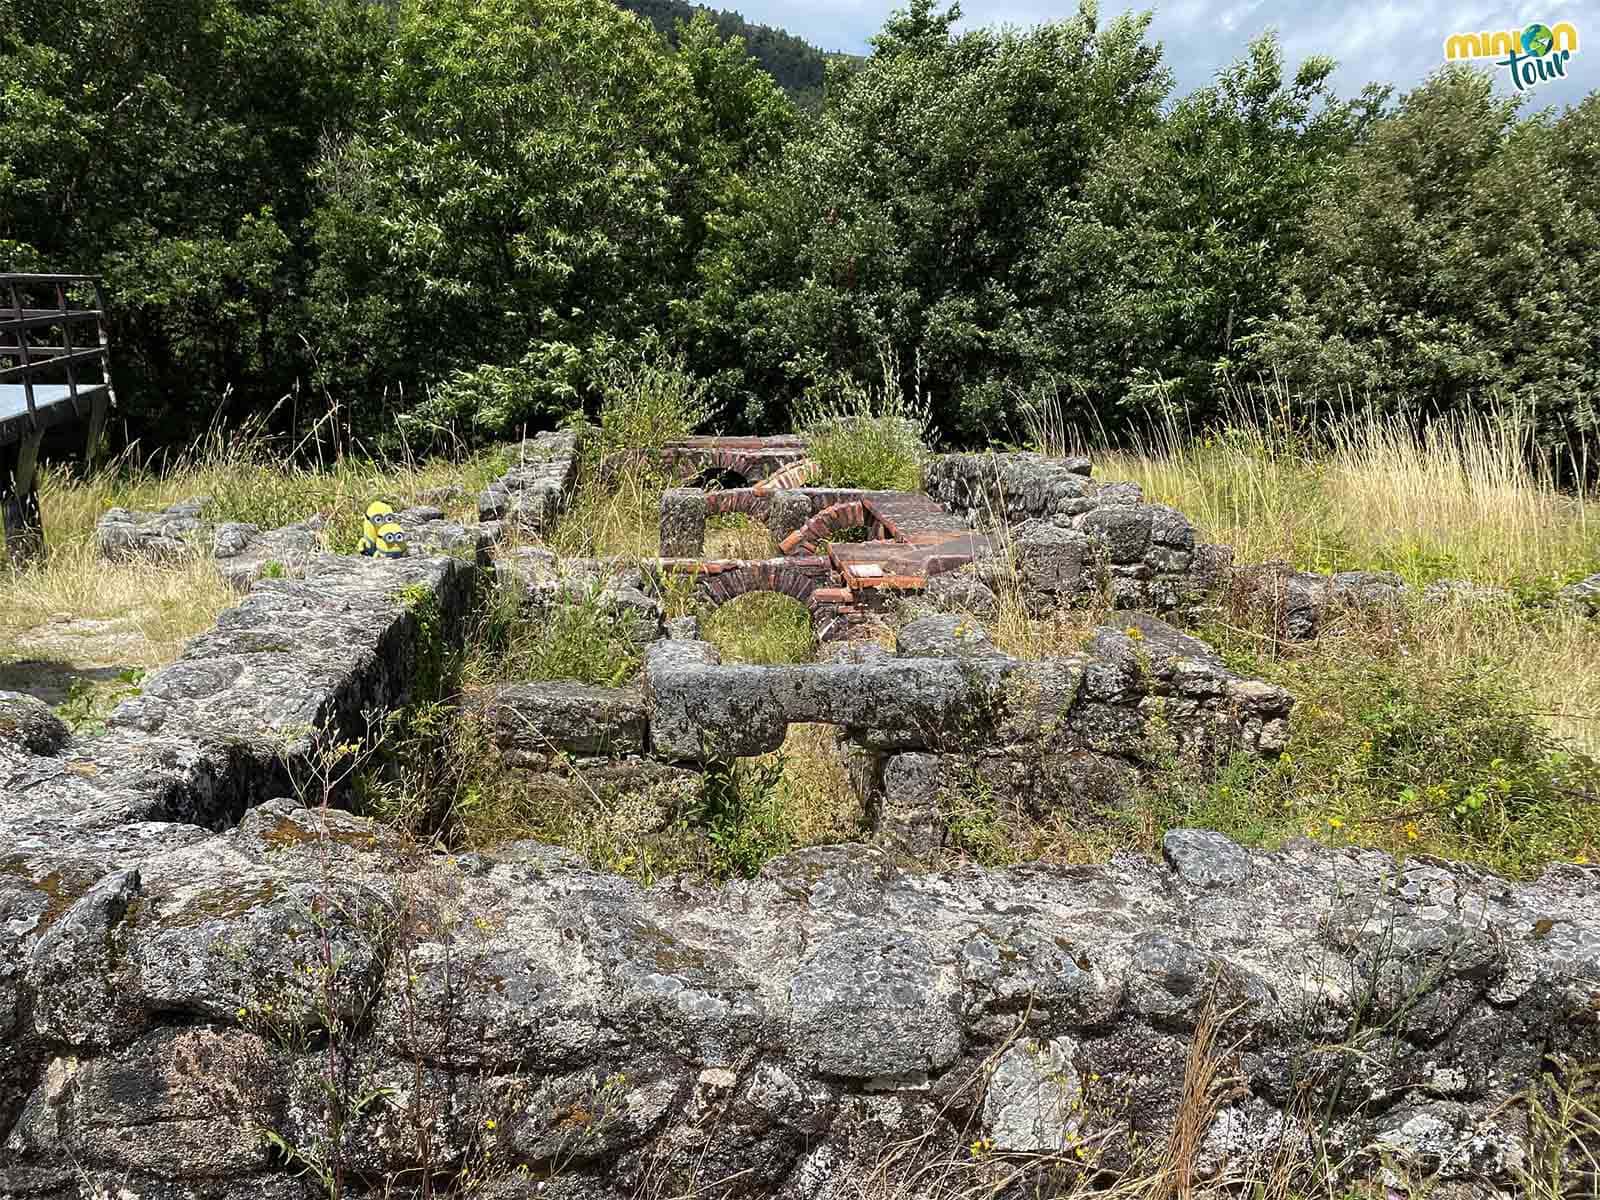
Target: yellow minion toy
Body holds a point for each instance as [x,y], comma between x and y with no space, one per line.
[381,535]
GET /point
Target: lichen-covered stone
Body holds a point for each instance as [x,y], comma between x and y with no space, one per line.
[944,636]
[1205,859]
[683,523]
[1056,567]
[30,724]
[246,553]
[995,489]
[429,533]
[536,720]
[962,591]
[178,531]
[1123,529]
[684,629]
[1466,591]
[523,988]
[544,582]
[1034,1100]
[787,510]
[533,493]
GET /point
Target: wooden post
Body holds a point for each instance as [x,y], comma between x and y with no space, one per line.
[106,399]
[19,499]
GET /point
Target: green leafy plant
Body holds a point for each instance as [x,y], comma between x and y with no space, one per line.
[88,704]
[866,437]
[742,815]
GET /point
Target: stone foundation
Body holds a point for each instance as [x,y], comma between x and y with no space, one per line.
[534,492]
[210,991]
[792,1032]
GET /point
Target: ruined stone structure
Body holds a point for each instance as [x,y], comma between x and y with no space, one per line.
[1040,526]
[751,459]
[533,492]
[209,990]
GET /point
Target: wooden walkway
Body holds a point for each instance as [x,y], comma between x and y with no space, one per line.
[55,369]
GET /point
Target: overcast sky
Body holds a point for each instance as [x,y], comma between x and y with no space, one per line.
[1396,43]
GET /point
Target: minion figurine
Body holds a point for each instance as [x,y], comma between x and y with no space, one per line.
[381,535]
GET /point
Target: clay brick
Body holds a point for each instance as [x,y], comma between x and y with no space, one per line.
[831,595]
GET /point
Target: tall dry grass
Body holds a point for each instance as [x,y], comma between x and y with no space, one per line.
[1465,497]
[159,607]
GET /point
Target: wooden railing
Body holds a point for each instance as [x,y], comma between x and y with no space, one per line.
[55,368]
[38,320]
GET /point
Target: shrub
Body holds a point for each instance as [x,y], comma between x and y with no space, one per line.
[648,399]
[490,399]
[588,640]
[863,437]
[1400,742]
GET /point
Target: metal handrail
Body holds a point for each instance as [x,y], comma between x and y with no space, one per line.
[64,315]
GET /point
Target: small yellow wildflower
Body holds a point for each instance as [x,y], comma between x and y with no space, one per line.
[489,1124]
[1411,831]
[1336,822]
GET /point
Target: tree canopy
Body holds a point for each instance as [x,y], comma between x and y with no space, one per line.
[450,218]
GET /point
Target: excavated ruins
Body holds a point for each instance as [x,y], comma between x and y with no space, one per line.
[212,984]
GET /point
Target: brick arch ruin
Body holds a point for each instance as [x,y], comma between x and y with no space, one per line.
[796,578]
[848,514]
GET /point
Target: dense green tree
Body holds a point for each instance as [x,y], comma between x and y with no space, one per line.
[1146,277]
[902,217]
[531,187]
[1454,262]
[166,144]
[463,212]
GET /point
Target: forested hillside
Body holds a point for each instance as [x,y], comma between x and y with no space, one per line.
[448,219]
[795,63]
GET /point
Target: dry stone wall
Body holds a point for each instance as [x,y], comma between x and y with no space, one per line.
[532,494]
[789,1033]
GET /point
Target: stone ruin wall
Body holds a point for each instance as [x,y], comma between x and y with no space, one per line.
[187,958]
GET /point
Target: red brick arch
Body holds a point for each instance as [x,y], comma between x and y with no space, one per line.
[796,582]
[847,515]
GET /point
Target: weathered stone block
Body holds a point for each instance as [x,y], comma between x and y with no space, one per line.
[246,553]
[1055,566]
[1583,595]
[962,591]
[906,812]
[175,532]
[30,724]
[701,709]
[1034,1100]
[787,511]
[874,1005]
[943,636]
[1205,859]
[1124,530]
[683,523]
[533,493]
[535,720]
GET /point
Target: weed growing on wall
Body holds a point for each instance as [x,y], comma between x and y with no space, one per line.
[866,437]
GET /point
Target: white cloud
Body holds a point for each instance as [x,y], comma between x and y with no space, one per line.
[1388,42]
